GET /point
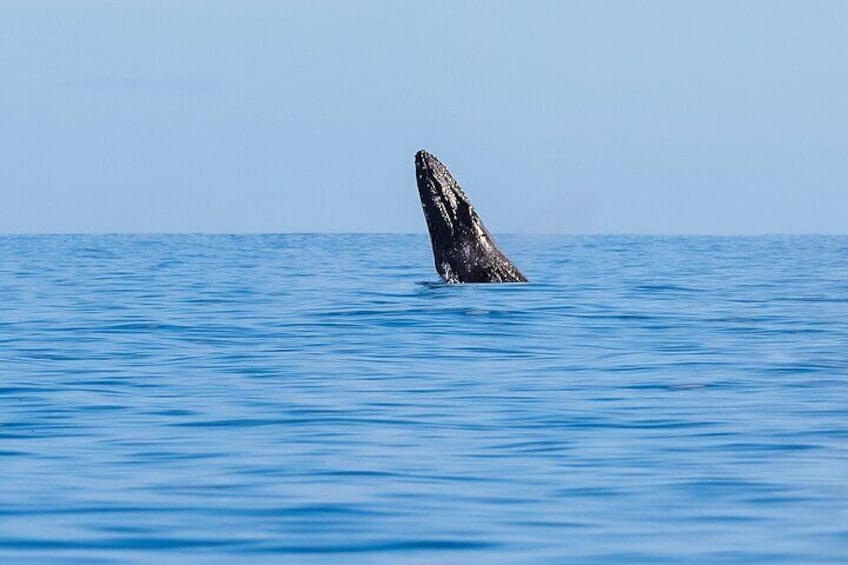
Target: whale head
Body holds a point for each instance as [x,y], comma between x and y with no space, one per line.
[463,249]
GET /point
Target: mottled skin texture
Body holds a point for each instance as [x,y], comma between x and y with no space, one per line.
[463,249]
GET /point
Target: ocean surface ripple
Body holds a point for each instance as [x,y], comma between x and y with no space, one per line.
[322,399]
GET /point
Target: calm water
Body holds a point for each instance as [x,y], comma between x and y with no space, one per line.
[318,399]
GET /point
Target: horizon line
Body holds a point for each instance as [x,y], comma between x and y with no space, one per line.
[424,233]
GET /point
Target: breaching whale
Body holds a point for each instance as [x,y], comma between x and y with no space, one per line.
[463,249]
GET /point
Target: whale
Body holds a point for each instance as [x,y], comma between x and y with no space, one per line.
[463,249]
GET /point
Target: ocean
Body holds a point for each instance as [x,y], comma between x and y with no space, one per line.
[323,399]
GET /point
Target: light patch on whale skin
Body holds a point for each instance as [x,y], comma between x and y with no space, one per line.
[450,197]
[448,274]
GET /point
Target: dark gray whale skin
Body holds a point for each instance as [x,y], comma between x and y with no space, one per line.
[463,249]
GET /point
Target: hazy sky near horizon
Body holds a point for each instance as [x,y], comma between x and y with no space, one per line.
[277,116]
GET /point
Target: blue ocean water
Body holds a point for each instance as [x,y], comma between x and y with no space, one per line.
[321,399]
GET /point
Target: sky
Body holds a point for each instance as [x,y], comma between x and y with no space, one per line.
[247,116]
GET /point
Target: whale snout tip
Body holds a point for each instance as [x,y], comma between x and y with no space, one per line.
[422,156]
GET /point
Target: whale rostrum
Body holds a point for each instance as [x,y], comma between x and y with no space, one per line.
[463,249]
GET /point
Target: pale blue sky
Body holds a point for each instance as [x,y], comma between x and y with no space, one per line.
[274,116]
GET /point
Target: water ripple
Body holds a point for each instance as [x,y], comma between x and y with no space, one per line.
[322,399]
